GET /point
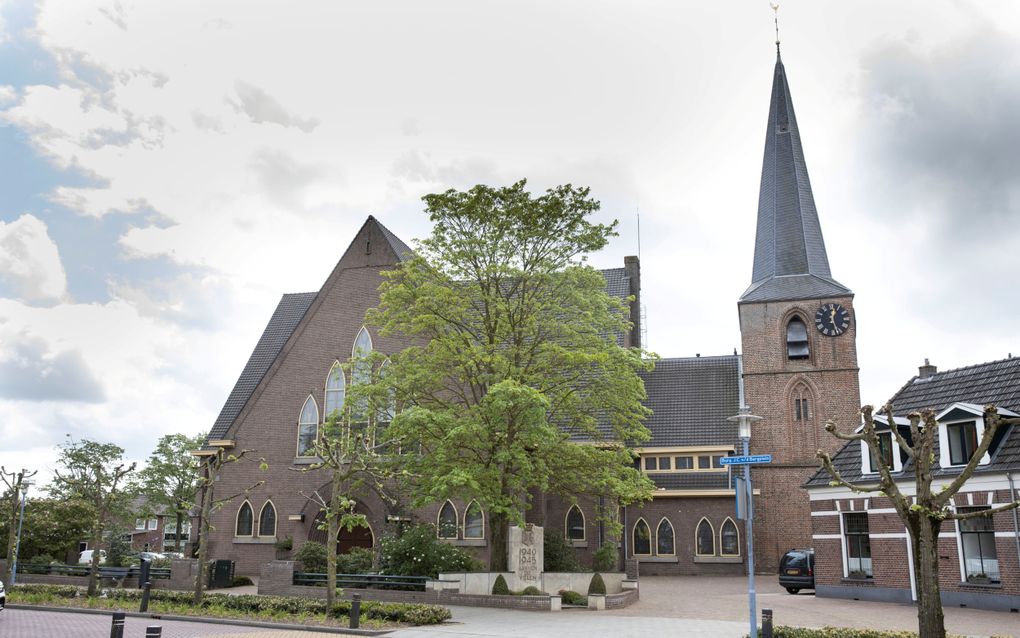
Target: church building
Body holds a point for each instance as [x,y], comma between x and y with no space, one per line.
[798,369]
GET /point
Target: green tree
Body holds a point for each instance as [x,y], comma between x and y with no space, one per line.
[96,474]
[923,513]
[12,497]
[171,478]
[51,526]
[517,356]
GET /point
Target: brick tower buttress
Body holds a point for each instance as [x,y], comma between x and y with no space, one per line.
[798,334]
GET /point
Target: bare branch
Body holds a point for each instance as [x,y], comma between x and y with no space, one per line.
[838,480]
[888,409]
[992,423]
[987,513]
[830,427]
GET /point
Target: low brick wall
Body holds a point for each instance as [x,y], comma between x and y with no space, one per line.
[83,581]
[277,579]
[522,603]
[625,598]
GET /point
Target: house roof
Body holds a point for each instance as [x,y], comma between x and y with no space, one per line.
[789,237]
[286,317]
[402,250]
[995,382]
[691,399]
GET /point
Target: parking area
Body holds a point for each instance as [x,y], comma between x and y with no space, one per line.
[725,598]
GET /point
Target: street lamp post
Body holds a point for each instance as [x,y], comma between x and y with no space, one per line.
[744,420]
[21,519]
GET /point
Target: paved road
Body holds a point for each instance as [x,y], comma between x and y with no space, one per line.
[23,623]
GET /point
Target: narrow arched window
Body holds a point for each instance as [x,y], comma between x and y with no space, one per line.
[361,373]
[664,542]
[387,408]
[729,538]
[308,427]
[474,521]
[245,518]
[267,520]
[336,388]
[446,525]
[796,339]
[802,407]
[575,524]
[642,538]
[705,539]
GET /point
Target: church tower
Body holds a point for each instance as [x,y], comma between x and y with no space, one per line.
[798,333]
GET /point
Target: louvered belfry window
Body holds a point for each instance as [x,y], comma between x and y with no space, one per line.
[796,340]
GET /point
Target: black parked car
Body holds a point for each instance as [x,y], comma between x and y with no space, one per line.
[797,570]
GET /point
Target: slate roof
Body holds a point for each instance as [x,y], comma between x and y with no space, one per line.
[288,314]
[617,282]
[690,399]
[996,382]
[789,238]
[692,480]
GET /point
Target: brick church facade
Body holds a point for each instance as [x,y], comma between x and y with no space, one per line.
[798,368]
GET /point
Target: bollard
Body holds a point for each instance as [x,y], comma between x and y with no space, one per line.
[355,611]
[766,623]
[117,627]
[144,606]
[153,631]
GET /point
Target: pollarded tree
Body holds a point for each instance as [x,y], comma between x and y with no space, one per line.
[14,482]
[96,474]
[518,356]
[171,478]
[924,513]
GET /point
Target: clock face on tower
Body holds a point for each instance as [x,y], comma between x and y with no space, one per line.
[832,319]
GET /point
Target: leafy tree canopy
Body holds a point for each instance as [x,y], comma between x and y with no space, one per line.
[518,356]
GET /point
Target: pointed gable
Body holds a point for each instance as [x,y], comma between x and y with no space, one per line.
[790,261]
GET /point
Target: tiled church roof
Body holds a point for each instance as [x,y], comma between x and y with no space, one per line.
[996,382]
[690,399]
[288,314]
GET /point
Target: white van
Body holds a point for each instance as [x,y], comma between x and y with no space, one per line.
[86,557]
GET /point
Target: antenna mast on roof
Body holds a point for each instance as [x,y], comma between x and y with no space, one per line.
[775,10]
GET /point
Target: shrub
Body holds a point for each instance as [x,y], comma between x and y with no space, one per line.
[284,544]
[54,591]
[605,559]
[417,552]
[415,614]
[531,590]
[559,555]
[357,561]
[573,598]
[500,588]
[597,585]
[241,581]
[313,557]
[837,632]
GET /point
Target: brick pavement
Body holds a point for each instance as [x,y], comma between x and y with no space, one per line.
[24,623]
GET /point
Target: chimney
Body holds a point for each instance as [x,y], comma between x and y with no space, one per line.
[632,266]
[926,370]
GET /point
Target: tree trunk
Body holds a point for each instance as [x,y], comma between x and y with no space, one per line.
[498,549]
[332,532]
[177,531]
[203,540]
[97,540]
[924,533]
[12,531]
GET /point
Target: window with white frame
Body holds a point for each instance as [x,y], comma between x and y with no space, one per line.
[574,524]
[729,539]
[361,373]
[446,523]
[858,545]
[884,454]
[977,544]
[665,543]
[308,427]
[704,539]
[140,523]
[336,388]
[153,523]
[963,441]
[267,520]
[245,523]
[474,521]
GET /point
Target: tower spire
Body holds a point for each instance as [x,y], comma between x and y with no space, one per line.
[789,253]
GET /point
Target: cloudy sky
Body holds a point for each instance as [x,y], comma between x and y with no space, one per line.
[169,169]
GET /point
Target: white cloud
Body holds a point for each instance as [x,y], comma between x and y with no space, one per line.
[30,262]
[8,94]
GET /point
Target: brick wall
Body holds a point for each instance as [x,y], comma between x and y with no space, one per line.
[830,377]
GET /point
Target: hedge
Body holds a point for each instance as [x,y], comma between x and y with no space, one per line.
[838,632]
[415,614]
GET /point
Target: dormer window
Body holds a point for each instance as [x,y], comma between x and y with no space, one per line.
[796,340]
[961,428]
[888,450]
[884,453]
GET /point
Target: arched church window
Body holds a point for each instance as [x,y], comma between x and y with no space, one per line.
[361,374]
[642,538]
[446,525]
[796,339]
[474,521]
[308,427]
[802,407]
[267,520]
[664,541]
[705,539]
[729,539]
[244,524]
[336,388]
[575,524]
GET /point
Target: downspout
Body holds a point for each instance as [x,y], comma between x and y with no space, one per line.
[626,534]
[1016,522]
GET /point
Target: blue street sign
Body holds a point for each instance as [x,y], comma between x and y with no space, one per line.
[746,460]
